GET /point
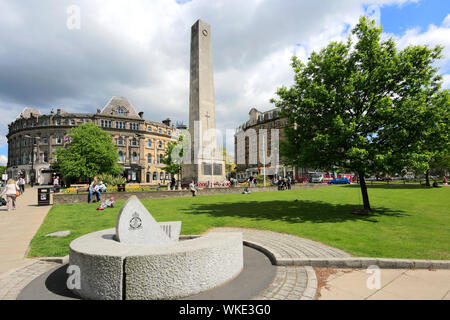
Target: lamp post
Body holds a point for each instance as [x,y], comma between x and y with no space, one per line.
[32,174]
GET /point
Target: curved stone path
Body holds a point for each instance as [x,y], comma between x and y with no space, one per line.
[284,249]
[291,282]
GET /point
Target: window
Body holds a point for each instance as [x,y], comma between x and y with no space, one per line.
[120,111]
[58,122]
[149,143]
[149,158]
[134,142]
[58,140]
[120,141]
[161,176]
[155,176]
[160,130]
[120,156]
[160,144]
[72,122]
[102,123]
[161,157]
[44,140]
[167,176]
[134,157]
[149,129]
[44,122]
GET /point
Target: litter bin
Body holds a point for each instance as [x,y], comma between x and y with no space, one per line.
[43,196]
[121,187]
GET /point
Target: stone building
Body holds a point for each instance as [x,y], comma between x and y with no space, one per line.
[34,137]
[251,162]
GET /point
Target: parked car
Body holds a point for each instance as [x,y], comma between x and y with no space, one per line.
[340,180]
[316,178]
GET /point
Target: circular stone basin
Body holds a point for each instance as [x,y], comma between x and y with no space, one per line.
[110,270]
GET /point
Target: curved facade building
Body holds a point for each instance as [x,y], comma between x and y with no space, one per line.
[34,137]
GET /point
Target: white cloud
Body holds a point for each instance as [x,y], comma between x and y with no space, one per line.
[140,50]
[432,36]
[3,160]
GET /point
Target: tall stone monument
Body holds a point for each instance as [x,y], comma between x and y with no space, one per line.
[206,161]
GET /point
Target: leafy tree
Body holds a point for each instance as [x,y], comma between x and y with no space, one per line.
[173,156]
[90,152]
[435,146]
[230,166]
[360,107]
[2,170]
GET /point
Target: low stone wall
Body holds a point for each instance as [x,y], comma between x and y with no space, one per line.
[61,198]
[110,270]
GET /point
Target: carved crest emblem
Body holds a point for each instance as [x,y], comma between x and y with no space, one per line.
[135,222]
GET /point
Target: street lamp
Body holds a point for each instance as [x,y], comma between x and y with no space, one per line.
[32,174]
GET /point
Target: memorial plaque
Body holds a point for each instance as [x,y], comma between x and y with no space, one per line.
[135,225]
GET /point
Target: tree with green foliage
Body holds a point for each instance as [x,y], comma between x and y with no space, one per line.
[435,144]
[2,170]
[174,155]
[361,107]
[90,152]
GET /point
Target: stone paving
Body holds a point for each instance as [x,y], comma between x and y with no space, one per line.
[14,281]
[394,284]
[18,228]
[284,248]
[291,283]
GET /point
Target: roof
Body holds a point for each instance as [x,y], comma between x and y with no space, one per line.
[116,103]
[28,112]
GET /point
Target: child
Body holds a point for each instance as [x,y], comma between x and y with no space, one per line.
[107,204]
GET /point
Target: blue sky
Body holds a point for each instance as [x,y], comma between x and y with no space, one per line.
[398,18]
[43,65]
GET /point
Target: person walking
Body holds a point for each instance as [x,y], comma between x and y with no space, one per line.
[21,184]
[289,181]
[444,180]
[11,191]
[193,188]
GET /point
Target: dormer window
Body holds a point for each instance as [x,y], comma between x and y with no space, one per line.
[120,111]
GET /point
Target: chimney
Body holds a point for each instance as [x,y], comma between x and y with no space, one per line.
[141,114]
[167,122]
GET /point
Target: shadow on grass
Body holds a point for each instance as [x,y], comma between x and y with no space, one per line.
[291,212]
[389,186]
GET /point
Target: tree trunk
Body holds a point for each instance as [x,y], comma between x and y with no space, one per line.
[365,196]
[427,176]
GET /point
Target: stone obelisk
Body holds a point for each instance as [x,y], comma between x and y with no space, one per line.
[207,163]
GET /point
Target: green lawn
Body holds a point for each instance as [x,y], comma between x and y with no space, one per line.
[408,221]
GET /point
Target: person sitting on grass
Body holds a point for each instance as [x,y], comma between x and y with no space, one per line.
[107,204]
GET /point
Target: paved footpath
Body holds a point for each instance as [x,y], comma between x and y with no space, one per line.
[18,228]
[395,284]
